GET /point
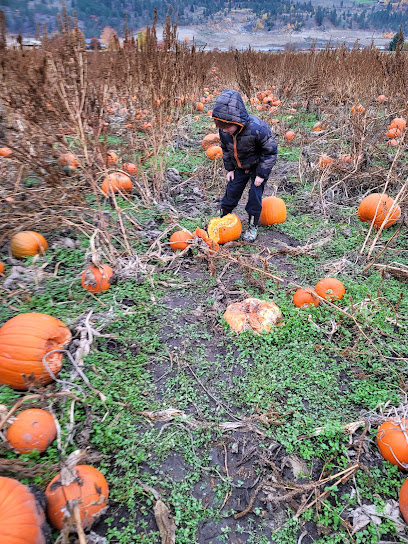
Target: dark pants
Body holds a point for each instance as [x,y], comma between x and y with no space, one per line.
[235,188]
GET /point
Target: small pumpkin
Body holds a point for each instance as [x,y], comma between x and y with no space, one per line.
[111,158]
[180,239]
[1,269]
[398,122]
[290,135]
[392,441]
[330,289]
[5,152]
[325,160]
[27,243]
[210,140]
[33,429]
[382,98]
[130,168]
[303,299]
[225,229]
[116,182]
[24,340]
[403,500]
[97,279]
[68,163]
[89,488]
[199,106]
[393,133]
[358,108]
[319,126]
[22,520]
[392,143]
[273,211]
[375,207]
[214,152]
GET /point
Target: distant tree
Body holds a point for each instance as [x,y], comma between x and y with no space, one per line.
[95,44]
[319,16]
[107,35]
[397,42]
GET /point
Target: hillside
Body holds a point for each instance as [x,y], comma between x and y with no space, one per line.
[255,15]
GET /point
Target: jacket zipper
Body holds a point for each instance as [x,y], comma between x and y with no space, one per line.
[236,152]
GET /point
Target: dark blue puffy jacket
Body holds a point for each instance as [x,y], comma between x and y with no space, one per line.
[253,145]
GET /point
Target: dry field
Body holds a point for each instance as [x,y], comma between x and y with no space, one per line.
[204,435]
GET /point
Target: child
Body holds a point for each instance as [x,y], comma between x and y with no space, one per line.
[249,153]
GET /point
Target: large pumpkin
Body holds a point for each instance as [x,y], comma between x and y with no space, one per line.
[180,239]
[368,211]
[68,163]
[392,441]
[27,244]
[22,519]
[116,182]
[224,229]
[33,429]
[273,211]
[89,488]
[330,289]
[97,279]
[24,340]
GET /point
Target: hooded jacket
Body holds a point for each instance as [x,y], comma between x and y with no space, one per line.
[253,145]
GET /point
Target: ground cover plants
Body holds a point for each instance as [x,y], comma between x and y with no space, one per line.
[204,435]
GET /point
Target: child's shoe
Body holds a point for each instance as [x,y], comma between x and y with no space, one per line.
[251,234]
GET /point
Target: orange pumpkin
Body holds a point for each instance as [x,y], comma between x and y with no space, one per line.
[116,182]
[303,299]
[210,140]
[111,158]
[392,143]
[225,229]
[1,269]
[214,152]
[358,108]
[317,127]
[180,239]
[27,243]
[273,211]
[33,429]
[199,106]
[68,163]
[398,122]
[393,133]
[130,168]
[330,289]
[97,279]
[24,340]
[5,152]
[201,233]
[403,500]
[392,441]
[368,211]
[290,135]
[325,160]
[21,518]
[89,488]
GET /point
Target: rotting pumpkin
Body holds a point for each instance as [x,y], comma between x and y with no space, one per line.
[115,182]
[22,520]
[225,229]
[33,429]
[180,239]
[88,487]
[97,279]
[24,341]
[68,163]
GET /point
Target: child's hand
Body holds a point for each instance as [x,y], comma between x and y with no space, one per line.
[258,181]
[230,176]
